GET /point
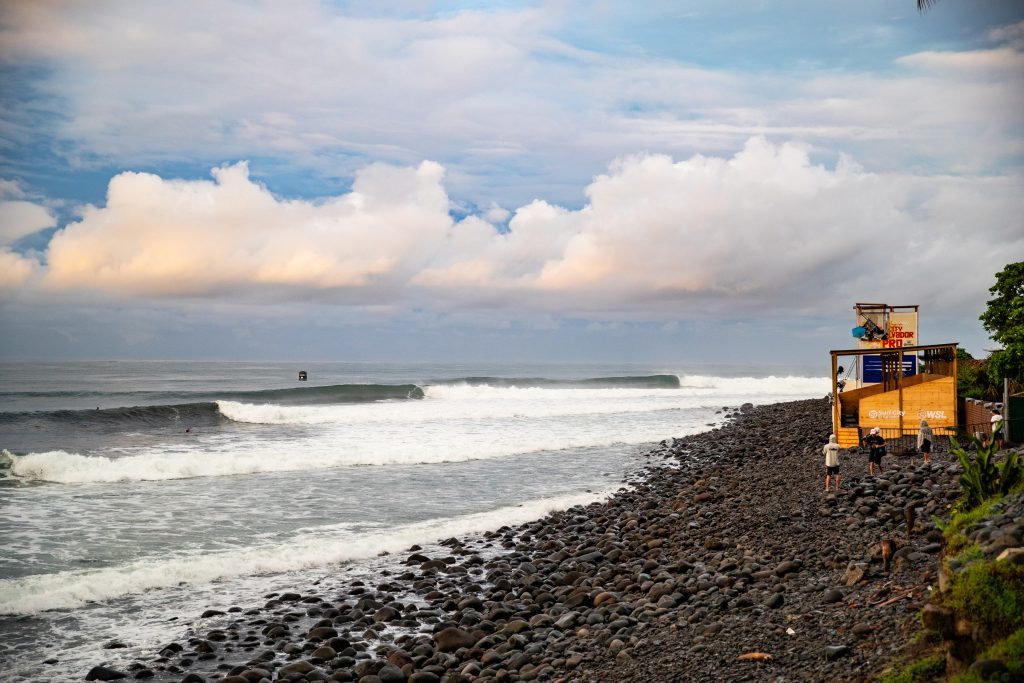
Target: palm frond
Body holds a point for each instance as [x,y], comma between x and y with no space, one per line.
[923,5]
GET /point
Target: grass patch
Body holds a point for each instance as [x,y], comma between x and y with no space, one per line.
[1010,651]
[970,553]
[921,671]
[990,593]
[960,521]
[926,637]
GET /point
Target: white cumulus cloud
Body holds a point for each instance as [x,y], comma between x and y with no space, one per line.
[173,237]
[763,229]
[19,218]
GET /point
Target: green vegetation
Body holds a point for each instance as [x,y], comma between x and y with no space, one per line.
[1009,651]
[921,671]
[972,380]
[967,677]
[955,531]
[1004,319]
[970,553]
[991,593]
[984,477]
[988,594]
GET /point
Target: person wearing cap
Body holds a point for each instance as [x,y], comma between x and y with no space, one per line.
[831,451]
[876,449]
[924,442]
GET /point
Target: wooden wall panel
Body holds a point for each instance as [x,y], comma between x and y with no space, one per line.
[933,400]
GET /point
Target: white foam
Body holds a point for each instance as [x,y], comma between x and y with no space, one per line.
[454,423]
[475,402]
[330,545]
[774,388]
[322,453]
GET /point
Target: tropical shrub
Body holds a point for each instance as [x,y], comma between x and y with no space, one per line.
[983,476]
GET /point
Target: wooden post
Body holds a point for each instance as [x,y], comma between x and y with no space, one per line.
[835,398]
[899,387]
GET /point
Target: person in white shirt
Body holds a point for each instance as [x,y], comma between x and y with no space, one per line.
[831,451]
[997,432]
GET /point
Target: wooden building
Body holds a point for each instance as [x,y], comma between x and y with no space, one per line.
[893,382]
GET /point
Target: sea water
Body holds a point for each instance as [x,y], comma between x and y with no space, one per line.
[136,495]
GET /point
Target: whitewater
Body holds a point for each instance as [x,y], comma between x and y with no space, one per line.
[134,496]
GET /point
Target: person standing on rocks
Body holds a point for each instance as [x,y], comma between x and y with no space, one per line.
[924,442]
[876,449]
[997,432]
[831,451]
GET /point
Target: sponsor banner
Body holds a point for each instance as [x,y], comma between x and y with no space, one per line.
[902,332]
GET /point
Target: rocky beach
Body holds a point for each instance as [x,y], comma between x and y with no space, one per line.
[725,560]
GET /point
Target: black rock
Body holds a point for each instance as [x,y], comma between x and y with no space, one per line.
[987,668]
[836,651]
[102,673]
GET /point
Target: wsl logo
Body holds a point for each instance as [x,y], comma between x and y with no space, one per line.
[895,414]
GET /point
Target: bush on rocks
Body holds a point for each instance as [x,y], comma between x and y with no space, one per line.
[991,593]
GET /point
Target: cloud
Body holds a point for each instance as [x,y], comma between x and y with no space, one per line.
[765,230]
[20,218]
[15,269]
[1012,34]
[1005,59]
[505,99]
[159,237]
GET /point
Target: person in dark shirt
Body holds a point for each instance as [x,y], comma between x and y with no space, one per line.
[876,449]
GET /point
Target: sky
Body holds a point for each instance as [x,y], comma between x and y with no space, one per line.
[659,182]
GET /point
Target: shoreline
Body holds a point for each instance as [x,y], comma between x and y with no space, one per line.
[724,546]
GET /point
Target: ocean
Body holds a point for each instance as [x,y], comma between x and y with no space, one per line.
[134,496]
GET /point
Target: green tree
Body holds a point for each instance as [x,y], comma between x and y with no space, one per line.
[1004,319]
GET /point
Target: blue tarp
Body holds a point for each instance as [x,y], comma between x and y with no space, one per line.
[872,367]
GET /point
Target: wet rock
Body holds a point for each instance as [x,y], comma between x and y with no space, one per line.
[299,667]
[451,639]
[391,674]
[425,677]
[862,630]
[102,673]
[833,652]
[322,633]
[787,567]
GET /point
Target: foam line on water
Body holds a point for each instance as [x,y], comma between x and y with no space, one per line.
[329,545]
[340,449]
[476,401]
